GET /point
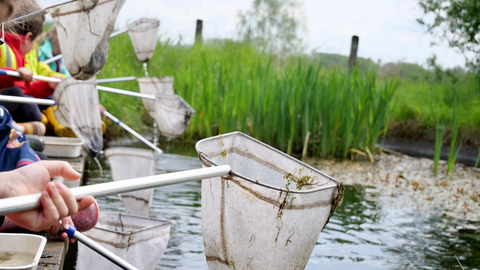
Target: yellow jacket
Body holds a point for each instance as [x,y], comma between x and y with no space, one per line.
[38,67]
[7,57]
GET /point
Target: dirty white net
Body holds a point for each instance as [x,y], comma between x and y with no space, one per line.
[84,29]
[171,112]
[138,240]
[128,163]
[279,214]
[78,109]
[143,34]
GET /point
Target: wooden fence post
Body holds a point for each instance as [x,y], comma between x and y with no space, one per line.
[198,32]
[352,61]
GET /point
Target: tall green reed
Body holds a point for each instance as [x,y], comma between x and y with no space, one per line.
[439,131]
[454,149]
[233,86]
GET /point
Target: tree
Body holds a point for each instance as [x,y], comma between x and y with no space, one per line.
[457,22]
[275,26]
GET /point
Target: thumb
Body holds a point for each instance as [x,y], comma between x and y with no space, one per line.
[60,168]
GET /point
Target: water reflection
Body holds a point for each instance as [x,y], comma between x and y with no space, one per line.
[366,232]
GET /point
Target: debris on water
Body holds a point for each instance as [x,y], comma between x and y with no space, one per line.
[455,195]
[5,256]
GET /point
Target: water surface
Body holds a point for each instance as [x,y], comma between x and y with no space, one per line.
[366,232]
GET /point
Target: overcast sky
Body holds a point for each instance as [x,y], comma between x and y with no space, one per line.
[387,28]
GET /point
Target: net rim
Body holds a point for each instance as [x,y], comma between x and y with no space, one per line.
[142,25]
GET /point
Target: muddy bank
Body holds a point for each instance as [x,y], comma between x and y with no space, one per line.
[456,195]
[426,149]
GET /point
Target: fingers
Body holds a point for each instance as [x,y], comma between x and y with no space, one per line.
[85,203]
[60,168]
[58,200]
[68,198]
[50,213]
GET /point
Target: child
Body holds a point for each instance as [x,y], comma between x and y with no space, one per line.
[51,47]
[14,148]
[16,46]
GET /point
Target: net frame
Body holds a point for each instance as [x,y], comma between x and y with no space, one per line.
[144,46]
[86,53]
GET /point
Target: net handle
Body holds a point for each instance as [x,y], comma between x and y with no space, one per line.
[57,80]
[133,132]
[29,202]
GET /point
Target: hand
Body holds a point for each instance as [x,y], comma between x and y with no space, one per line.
[53,231]
[25,74]
[102,109]
[56,200]
[53,85]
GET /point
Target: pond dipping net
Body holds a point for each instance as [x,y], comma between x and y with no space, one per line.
[128,163]
[171,112]
[268,212]
[78,109]
[143,34]
[84,28]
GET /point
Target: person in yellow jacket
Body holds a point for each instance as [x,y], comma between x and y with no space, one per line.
[38,67]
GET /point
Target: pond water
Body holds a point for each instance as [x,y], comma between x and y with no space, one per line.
[366,232]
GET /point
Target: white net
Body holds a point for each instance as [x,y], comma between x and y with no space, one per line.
[143,35]
[170,111]
[84,29]
[139,241]
[254,218]
[128,163]
[78,109]
[153,86]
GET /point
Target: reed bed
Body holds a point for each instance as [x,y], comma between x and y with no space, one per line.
[233,86]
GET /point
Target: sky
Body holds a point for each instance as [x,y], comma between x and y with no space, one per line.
[388,29]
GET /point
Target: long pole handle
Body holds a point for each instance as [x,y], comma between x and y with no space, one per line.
[133,132]
[72,232]
[118,79]
[29,202]
[27,100]
[124,92]
[101,88]
[53,59]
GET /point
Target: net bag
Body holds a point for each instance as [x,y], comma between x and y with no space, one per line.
[143,34]
[171,112]
[153,86]
[138,240]
[128,163]
[78,109]
[273,219]
[84,29]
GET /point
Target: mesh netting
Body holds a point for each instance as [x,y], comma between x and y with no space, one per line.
[128,163]
[84,29]
[143,35]
[170,111]
[78,109]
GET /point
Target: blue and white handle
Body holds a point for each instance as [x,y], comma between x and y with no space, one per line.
[72,232]
[133,132]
